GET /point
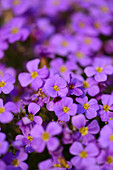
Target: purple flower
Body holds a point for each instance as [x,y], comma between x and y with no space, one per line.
[5,111]
[83,156]
[106,137]
[46,137]
[35,77]
[16,161]
[3,144]
[99,70]
[87,130]
[107,108]
[65,108]
[33,108]
[88,107]
[75,87]
[6,83]
[56,86]
[2,165]
[15,30]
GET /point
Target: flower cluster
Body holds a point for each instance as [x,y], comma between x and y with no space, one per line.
[56,85]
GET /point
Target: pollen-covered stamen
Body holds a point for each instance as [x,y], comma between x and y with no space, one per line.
[63,69]
[83,154]
[86,106]
[56,88]
[79,54]
[16,2]
[2,83]
[2,110]
[64,43]
[45,136]
[85,84]
[71,86]
[15,30]
[34,74]
[30,138]
[97,25]
[109,159]
[87,41]
[111,138]
[84,131]
[15,162]
[65,109]
[31,117]
[99,69]
[106,108]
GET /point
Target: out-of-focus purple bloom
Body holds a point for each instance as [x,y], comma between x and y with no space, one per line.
[35,77]
[83,156]
[3,144]
[5,111]
[106,137]
[46,137]
[6,83]
[15,30]
[99,70]
[88,107]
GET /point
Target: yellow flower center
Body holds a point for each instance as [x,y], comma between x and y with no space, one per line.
[99,69]
[16,2]
[65,109]
[97,25]
[87,41]
[111,138]
[45,136]
[104,9]
[57,165]
[83,154]
[2,109]
[31,117]
[79,54]
[109,159]
[56,88]
[2,84]
[81,24]
[63,69]
[64,43]
[85,84]
[84,131]
[15,30]
[15,162]
[34,74]
[106,108]
[86,106]
[30,138]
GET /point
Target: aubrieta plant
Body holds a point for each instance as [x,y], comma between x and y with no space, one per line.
[56,84]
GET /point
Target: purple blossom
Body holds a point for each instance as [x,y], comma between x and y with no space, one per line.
[3,144]
[88,107]
[6,83]
[86,130]
[46,137]
[35,77]
[65,108]
[83,156]
[5,111]
[56,86]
